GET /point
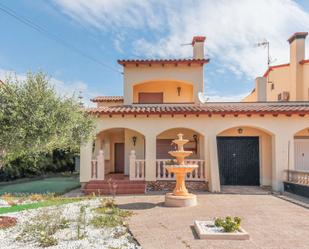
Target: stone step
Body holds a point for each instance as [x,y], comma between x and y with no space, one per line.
[119,191]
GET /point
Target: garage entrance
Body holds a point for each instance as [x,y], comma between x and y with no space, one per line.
[239,160]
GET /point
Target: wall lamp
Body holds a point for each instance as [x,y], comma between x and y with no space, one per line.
[179,90]
[240,130]
[134,138]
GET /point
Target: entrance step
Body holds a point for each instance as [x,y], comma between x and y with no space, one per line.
[108,187]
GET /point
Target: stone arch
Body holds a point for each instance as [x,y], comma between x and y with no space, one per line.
[111,140]
[195,144]
[265,148]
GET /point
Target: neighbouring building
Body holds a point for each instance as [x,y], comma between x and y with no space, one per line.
[235,143]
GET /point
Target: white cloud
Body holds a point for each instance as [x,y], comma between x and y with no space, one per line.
[62,88]
[226,98]
[232,27]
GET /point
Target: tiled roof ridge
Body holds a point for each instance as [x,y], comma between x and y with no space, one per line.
[107,99]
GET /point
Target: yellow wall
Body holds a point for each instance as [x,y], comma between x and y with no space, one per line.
[282,82]
[169,89]
[193,74]
[265,150]
[251,97]
[305,72]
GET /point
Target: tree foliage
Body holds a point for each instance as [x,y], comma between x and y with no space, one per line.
[34,120]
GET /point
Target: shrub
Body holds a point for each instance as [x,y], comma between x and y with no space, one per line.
[228,224]
[43,227]
[6,222]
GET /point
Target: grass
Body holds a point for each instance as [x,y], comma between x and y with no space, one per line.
[57,185]
[51,202]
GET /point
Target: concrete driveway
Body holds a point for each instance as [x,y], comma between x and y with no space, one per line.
[270,221]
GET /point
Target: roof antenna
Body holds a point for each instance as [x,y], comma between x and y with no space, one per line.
[265,44]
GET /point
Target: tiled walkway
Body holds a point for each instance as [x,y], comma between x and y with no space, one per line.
[271,222]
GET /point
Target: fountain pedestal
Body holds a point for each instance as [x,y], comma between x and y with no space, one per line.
[180,196]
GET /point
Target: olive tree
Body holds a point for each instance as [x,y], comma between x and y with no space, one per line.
[35,120]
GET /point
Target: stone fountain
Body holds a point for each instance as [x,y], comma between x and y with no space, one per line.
[180,196]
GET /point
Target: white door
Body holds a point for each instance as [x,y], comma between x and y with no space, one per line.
[301,154]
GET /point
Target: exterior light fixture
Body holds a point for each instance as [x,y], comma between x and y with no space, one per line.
[134,138]
[179,90]
[195,140]
[240,130]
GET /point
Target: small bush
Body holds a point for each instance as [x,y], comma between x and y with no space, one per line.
[228,224]
[106,221]
[6,222]
[36,197]
[43,228]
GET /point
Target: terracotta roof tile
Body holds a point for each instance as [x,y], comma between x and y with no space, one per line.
[162,61]
[208,108]
[108,99]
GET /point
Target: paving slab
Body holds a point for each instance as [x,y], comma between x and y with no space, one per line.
[272,223]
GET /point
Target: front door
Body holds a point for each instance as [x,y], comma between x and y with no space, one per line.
[119,157]
[239,160]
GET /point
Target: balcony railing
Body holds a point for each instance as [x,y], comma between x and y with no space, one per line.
[197,174]
[298,176]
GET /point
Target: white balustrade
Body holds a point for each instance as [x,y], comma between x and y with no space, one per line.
[298,176]
[98,167]
[197,174]
[137,167]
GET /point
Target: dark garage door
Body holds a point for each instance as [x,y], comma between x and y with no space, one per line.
[239,160]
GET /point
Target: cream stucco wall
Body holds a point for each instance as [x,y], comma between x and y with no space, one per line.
[282,130]
[169,89]
[182,73]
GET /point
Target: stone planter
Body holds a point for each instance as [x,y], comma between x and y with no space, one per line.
[207,230]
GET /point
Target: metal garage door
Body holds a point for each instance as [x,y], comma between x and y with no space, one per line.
[239,160]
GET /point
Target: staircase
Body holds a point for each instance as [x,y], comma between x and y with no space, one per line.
[115,184]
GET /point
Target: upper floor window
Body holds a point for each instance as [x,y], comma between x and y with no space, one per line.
[150,98]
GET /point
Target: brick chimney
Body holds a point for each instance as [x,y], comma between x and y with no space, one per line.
[297,54]
[198,47]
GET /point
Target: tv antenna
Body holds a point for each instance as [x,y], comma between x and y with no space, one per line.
[265,44]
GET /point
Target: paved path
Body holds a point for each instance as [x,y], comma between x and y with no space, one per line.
[271,221]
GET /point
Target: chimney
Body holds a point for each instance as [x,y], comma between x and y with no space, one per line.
[198,47]
[260,88]
[297,54]
[297,47]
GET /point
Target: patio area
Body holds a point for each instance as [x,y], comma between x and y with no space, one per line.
[270,221]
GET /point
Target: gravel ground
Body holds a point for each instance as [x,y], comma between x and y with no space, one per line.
[117,237]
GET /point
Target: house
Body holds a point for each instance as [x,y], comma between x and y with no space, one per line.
[240,143]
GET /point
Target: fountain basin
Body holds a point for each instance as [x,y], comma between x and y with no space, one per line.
[172,200]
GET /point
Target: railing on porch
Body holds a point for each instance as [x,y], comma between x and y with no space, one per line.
[197,174]
[137,168]
[98,167]
[298,176]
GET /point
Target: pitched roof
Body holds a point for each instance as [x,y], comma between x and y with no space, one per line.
[162,61]
[287,108]
[274,67]
[108,99]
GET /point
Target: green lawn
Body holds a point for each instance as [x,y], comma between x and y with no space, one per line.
[47,203]
[58,185]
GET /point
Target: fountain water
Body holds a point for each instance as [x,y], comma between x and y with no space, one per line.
[180,196]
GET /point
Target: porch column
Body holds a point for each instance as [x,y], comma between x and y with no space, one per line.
[212,161]
[85,162]
[283,158]
[150,158]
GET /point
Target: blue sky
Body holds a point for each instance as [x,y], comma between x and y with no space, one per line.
[110,30]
